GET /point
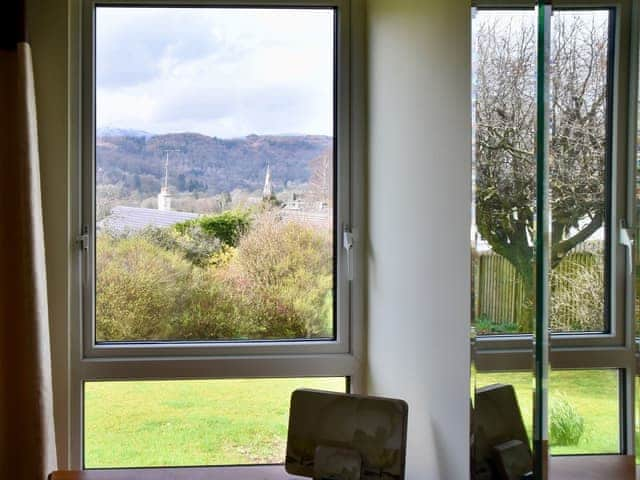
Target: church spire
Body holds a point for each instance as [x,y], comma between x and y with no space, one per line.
[164,197]
[165,186]
[267,191]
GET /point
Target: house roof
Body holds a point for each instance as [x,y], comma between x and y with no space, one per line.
[133,219]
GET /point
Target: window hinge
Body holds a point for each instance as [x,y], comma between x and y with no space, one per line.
[347,244]
[83,238]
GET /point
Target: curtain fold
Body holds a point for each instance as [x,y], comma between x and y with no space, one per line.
[27,441]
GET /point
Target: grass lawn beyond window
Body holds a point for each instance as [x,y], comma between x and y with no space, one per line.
[229,422]
[592,394]
[195,422]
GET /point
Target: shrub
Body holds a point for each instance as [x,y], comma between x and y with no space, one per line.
[168,284]
[190,241]
[284,273]
[147,292]
[577,293]
[566,425]
[227,227]
[210,313]
[484,325]
[139,288]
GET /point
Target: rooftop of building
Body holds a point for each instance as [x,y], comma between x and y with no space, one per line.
[133,219]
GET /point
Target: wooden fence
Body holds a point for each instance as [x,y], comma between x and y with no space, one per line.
[499,290]
[499,294]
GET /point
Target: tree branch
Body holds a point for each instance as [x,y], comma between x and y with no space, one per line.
[560,249]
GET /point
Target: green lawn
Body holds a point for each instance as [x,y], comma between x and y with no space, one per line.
[180,423]
[593,394]
[223,422]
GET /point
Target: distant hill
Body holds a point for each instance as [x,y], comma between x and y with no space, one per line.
[198,163]
[121,132]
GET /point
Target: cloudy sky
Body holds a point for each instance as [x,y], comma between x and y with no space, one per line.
[223,72]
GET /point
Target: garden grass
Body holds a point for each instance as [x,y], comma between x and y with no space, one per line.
[188,423]
[593,394]
[232,422]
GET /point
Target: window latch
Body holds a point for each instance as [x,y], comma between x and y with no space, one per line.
[83,244]
[626,237]
[347,244]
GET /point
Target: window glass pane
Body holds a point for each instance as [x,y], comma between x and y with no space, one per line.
[584,415]
[637,196]
[192,422]
[504,170]
[579,169]
[504,173]
[214,174]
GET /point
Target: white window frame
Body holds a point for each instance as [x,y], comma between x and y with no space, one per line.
[342,357]
[595,351]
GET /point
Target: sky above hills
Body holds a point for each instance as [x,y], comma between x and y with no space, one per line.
[222,72]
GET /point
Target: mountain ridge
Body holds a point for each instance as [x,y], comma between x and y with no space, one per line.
[201,163]
[121,132]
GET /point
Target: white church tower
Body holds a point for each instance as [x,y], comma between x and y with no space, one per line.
[267,191]
[164,197]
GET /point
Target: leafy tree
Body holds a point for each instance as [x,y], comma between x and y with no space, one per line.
[505,118]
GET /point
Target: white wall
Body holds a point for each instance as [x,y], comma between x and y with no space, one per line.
[48,32]
[419,192]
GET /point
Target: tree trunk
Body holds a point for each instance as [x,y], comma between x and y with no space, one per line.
[527,320]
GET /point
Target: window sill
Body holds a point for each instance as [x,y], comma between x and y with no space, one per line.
[261,472]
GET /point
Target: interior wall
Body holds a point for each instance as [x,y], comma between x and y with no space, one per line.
[48,33]
[419,200]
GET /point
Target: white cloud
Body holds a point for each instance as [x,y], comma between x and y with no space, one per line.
[223,72]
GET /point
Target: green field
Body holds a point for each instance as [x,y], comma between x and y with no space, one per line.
[181,423]
[592,393]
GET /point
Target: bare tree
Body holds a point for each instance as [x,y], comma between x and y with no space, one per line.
[505,118]
[321,181]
